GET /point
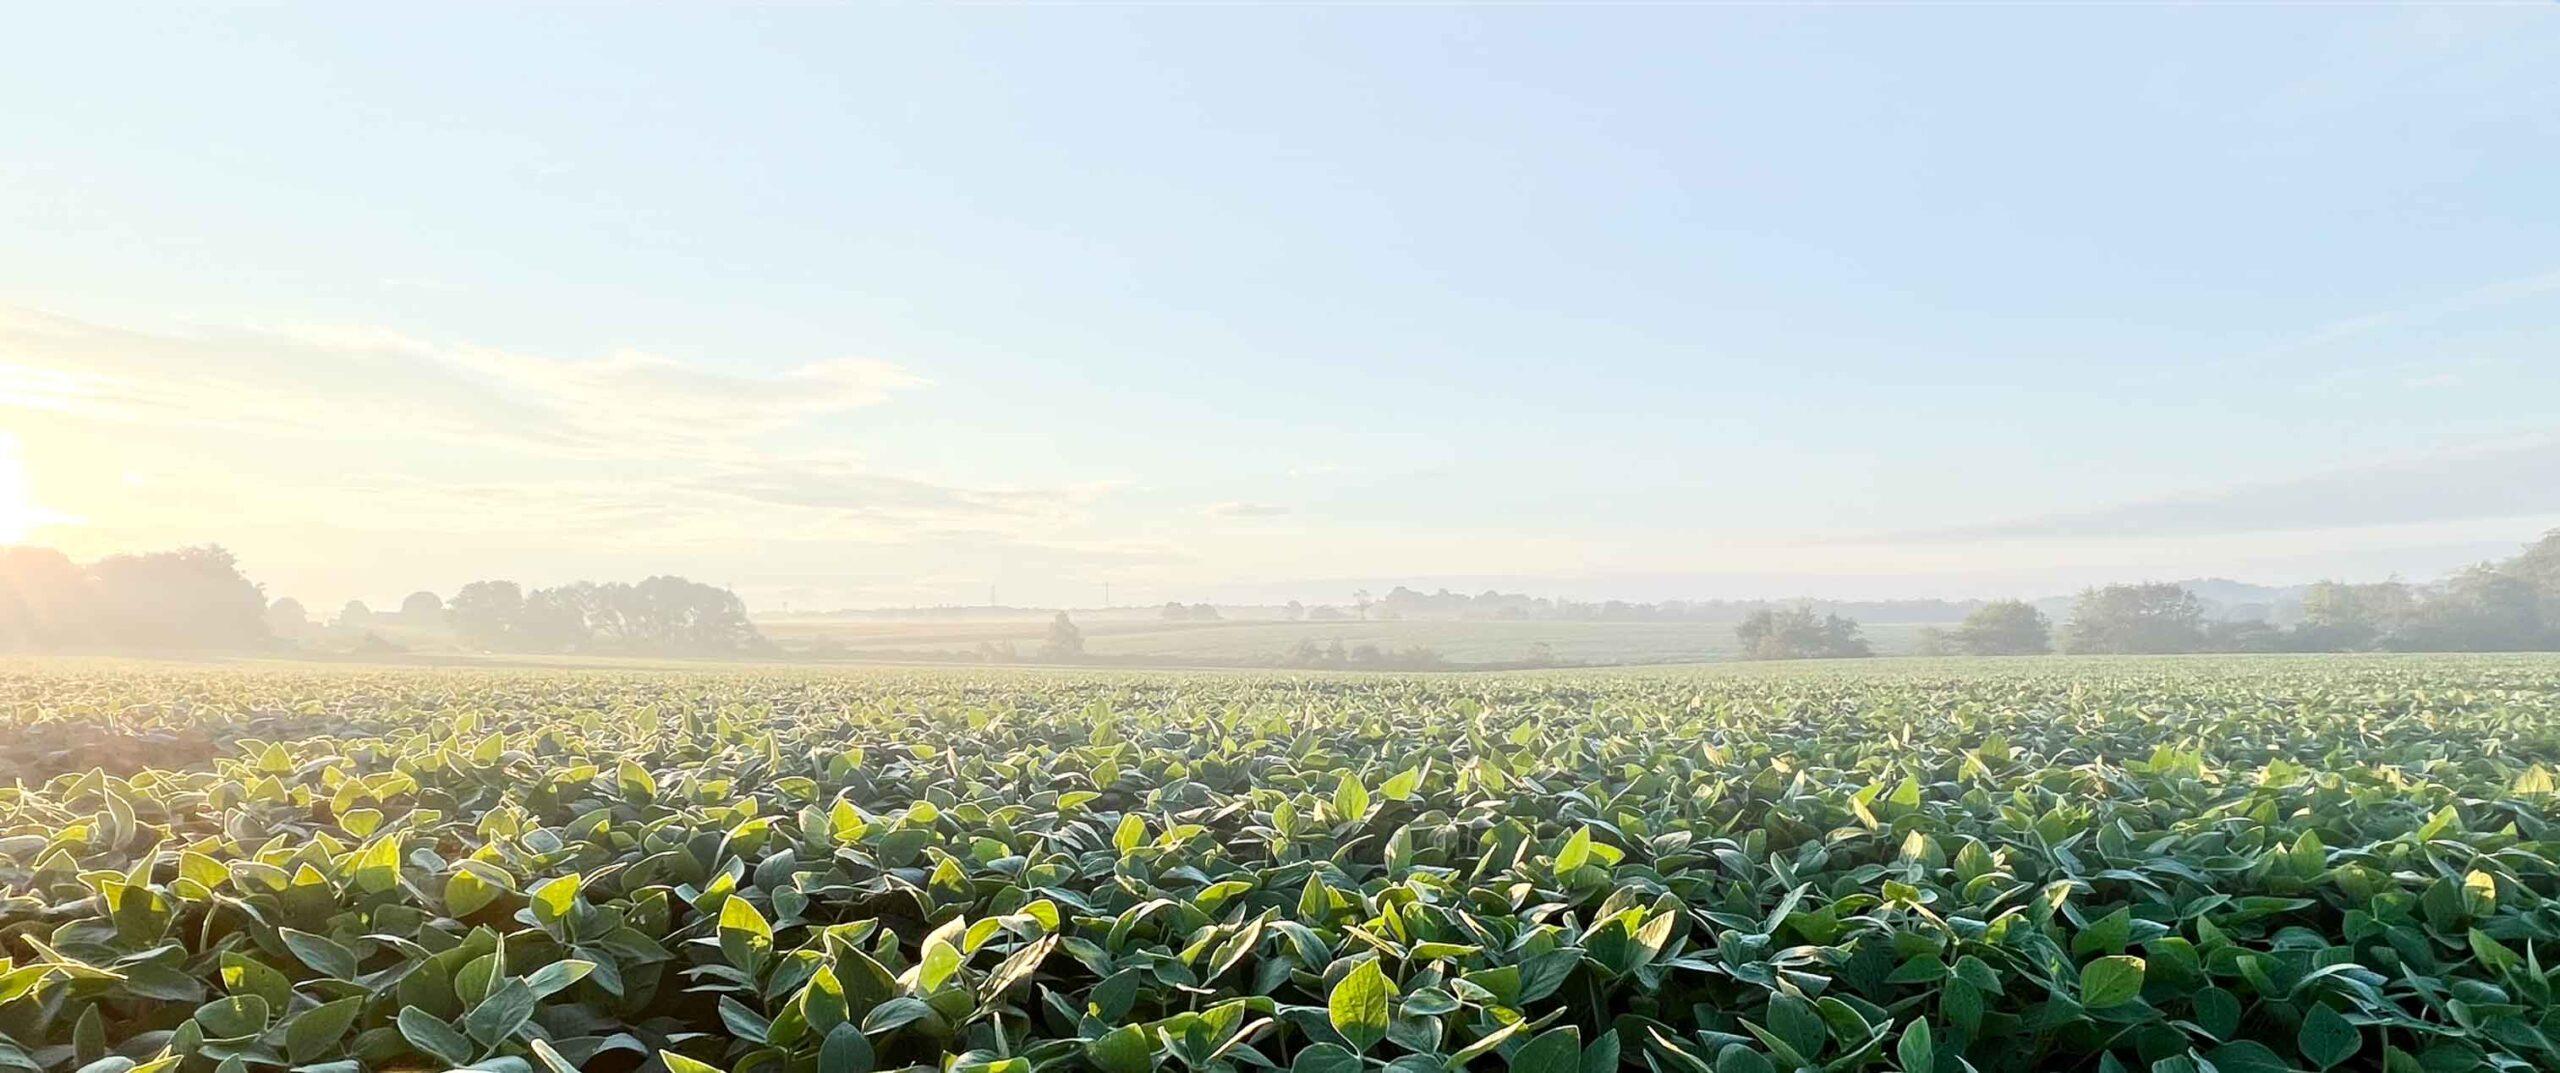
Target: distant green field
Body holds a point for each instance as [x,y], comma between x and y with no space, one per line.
[1259,642]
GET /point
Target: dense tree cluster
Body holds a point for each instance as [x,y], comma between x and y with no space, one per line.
[191,598]
[2509,606]
[1064,641]
[1799,633]
[1998,628]
[661,615]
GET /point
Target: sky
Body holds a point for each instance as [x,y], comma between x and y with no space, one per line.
[912,305]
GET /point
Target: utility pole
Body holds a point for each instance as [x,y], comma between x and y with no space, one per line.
[1106,596]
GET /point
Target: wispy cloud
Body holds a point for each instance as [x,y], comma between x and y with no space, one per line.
[1239,509]
[2488,296]
[330,383]
[2510,479]
[630,449]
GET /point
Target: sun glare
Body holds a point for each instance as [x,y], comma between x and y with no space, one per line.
[19,512]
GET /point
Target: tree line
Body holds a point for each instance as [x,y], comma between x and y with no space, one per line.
[2512,605]
[663,615]
[197,599]
[185,599]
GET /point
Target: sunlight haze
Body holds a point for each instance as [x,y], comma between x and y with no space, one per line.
[925,305]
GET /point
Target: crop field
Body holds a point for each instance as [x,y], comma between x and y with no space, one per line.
[2235,865]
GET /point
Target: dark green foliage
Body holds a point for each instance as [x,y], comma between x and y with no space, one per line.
[2234,867]
[2136,620]
[1798,633]
[2003,628]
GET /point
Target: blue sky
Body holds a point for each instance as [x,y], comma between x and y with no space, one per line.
[883,305]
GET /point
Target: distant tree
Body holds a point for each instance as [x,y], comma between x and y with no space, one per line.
[2483,609]
[1798,633]
[288,611]
[44,600]
[192,598]
[2339,617]
[2247,635]
[2539,569]
[553,620]
[2150,618]
[422,609]
[189,598]
[672,615]
[286,617]
[1326,613]
[486,614]
[1360,599]
[354,616]
[2003,628]
[1933,641]
[1204,613]
[1175,611]
[1064,642]
[1295,611]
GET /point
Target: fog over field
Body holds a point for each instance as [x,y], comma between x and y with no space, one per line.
[1290,537]
[482,331]
[897,307]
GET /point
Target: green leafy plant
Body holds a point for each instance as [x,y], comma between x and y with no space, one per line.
[2232,866]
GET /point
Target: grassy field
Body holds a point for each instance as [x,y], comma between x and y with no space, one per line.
[1265,642]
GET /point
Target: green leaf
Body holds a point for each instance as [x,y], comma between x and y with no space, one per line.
[1350,799]
[2110,981]
[466,893]
[315,1031]
[2105,935]
[1575,854]
[237,1017]
[1126,1049]
[1359,1005]
[2247,1056]
[1556,1050]
[2326,1038]
[1916,1052]
[938,963]
[497,1017]
[553,899]
[1741,1059]
[323,954]
[434,1038]
[1325,1058]
[1402,784]
[677,1063]
[745,938]
[894,1014]
[845,1051]
[2217,1012]
[557,976]
[378,870]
